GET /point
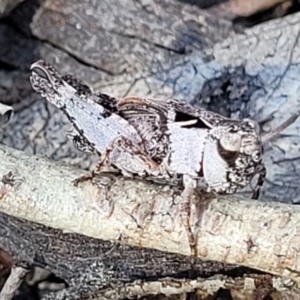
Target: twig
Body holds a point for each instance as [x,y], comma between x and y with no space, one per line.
[256,234]
[12,283]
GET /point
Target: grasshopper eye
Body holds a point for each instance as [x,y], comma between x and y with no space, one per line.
[229,146]
[256,155]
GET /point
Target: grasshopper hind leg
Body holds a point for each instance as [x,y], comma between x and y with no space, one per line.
[131,160]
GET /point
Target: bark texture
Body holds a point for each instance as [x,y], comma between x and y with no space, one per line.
[254,74]
[146,215]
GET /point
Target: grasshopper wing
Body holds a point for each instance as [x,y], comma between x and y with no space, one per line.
[150,119]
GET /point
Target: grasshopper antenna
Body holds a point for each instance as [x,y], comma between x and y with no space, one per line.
[273,133]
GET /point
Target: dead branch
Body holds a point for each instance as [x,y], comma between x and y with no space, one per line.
[264,236]
[120,270]
[12,283]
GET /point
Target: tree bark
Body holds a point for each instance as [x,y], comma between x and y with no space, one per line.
[264,236]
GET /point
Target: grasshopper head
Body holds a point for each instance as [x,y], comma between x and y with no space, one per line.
[232,155]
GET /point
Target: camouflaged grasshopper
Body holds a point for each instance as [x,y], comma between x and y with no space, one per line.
[159,139]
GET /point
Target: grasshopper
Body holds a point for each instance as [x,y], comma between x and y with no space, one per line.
[159,139]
